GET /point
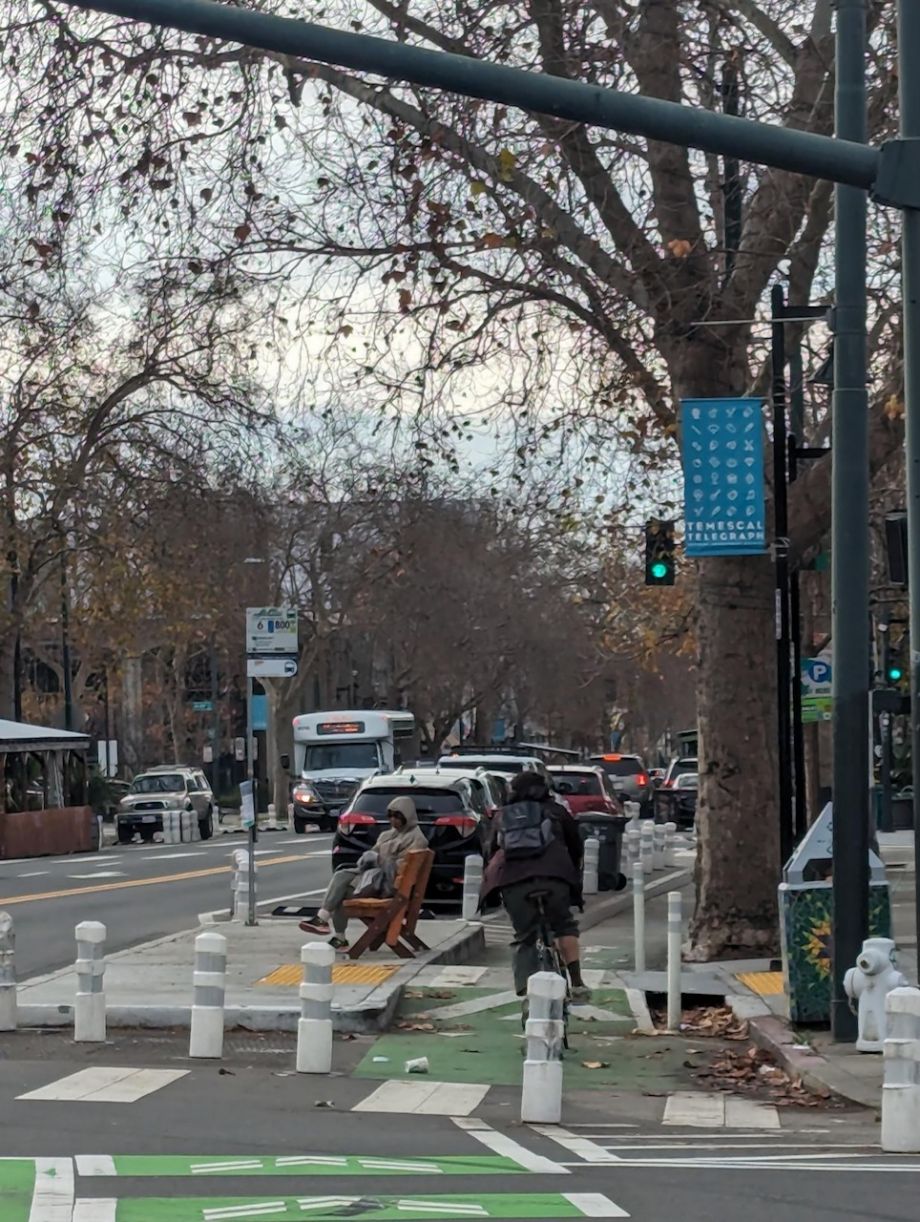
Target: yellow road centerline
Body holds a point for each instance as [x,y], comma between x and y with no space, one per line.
[145,882]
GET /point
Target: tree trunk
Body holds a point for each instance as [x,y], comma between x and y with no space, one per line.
[7,679]
[737,817]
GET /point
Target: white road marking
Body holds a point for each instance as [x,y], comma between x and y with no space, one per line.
[466,1209]
[95,1164]
[309,1204]
[424,1098]
[226,1168]
[52,1196]
[171,856]
[103,1084]
[749,1114]
[477,1004]
[34,874]
[457,976]
[640,1011]
[103,1209]
[501,1143]
[595,1205]
[587,1150]
[244,1211]
[696,1109]
[100,874]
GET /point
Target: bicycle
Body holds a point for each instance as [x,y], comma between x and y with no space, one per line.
[549,960]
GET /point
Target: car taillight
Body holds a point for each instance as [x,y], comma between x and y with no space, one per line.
[641,779]
[354,819]
[466,823]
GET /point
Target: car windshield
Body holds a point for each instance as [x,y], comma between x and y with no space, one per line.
[690,780]
[427,801]
[621,767]
[340,755]
[683,767]
[158,782]
[577,784]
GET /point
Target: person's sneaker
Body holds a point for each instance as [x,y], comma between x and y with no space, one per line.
[338,943]
[315,926]
[580,993]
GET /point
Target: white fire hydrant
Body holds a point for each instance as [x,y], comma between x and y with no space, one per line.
[869,983]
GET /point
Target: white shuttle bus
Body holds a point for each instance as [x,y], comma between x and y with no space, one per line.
[335,751]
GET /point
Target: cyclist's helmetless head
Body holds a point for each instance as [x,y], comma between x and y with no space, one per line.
[529,787]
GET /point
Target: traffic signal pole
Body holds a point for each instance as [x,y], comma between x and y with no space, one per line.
[909,94]
[781,561]
[850,534]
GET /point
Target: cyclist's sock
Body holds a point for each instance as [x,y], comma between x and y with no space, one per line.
[574,970]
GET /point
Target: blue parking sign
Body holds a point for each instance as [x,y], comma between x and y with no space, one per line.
[724,501]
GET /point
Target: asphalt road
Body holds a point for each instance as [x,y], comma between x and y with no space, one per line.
[298,1149]
[141,892]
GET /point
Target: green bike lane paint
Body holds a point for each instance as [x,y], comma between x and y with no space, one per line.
[179,1166]
[334,1206]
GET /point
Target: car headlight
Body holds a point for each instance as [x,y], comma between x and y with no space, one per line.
[305,794]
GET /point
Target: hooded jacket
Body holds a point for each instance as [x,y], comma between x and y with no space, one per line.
[396,842]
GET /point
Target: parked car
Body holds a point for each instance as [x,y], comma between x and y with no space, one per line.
[629,776]
[171,787]
[676,803]
[311,806]
[585,789]
[446,813]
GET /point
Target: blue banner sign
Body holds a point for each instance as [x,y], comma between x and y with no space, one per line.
[724,504]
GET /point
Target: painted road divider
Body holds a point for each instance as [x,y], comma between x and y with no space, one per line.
[169,1166]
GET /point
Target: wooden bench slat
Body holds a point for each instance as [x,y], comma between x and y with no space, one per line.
[393,920]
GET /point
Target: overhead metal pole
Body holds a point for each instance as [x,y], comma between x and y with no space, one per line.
[781,560]
[782,147]
[850,534]
[909,92]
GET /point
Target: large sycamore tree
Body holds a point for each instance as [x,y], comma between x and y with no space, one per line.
[441,239]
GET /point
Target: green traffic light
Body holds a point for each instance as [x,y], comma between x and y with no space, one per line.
[659,570]
[895,673]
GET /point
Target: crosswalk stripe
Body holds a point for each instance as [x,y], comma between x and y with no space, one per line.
[100,1209]
[106,1084]
[695,1109]
[595,1205]
[501,1143]
[52,1196]
[587,1150]
[425,1098]
[95,1164]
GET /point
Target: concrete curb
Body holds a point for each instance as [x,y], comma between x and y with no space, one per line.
[369,1017]
[772,1034]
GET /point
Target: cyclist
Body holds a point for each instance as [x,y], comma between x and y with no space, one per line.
[535,845]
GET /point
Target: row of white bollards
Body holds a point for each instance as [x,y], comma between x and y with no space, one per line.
[209,985]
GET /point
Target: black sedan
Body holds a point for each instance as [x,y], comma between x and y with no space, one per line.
[445,815]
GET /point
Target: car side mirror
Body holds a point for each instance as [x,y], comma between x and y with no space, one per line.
[285,761]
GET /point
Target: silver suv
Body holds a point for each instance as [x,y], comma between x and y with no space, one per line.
[628,775]
[171,787]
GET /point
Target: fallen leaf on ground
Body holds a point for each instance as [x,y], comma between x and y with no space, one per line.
[596,1064]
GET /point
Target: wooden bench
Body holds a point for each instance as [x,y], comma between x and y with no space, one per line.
[393,920]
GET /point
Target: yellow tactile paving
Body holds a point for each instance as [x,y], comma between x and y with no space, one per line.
[767,984]
[342,973]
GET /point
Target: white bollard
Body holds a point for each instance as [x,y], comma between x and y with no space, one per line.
[196,826]
[242,884]
[647,847]
[238,855]
[901,1088]
[8,1014]
[658,845]
[590,864]
[632,811]
[541,1094]
[675,936]
[171,833]
[632,850]
[670,846]
[209,982]
[89,1004]
[472,886]
[272,824]
[185,817]
[314,1027]
[638,882]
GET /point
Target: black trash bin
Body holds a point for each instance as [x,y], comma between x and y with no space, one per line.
[608,830]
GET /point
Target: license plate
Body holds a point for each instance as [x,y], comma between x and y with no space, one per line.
[148,819]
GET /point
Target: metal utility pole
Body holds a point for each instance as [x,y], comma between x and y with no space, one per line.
[909,93]
[65,640]
[781,559]
[850,532]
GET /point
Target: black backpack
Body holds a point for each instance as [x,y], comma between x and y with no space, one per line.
[525,830]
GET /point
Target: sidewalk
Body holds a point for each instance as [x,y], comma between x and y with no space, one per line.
[812,1055]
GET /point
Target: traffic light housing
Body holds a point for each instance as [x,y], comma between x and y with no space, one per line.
[659,553]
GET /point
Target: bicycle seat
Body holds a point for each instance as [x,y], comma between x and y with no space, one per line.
[539,894]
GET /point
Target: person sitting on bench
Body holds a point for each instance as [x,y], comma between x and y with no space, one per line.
[404,836]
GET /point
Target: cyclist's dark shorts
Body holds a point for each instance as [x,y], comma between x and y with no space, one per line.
[557,905]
